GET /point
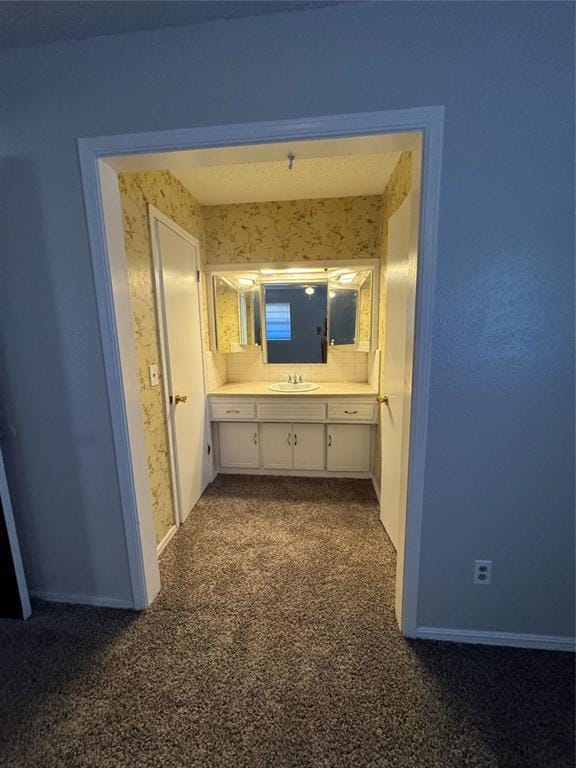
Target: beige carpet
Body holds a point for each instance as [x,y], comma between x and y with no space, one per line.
[273,643]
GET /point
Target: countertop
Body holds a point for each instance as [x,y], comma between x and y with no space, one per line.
[260,389]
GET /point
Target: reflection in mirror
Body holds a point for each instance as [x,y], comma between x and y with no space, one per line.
[237,313]
[296,317]
[294,313]
[350,317]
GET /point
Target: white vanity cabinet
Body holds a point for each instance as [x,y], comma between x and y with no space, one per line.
[348,448]
[239,445]
[293,446]
[294,435]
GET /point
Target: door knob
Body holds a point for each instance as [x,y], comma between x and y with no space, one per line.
[382,399]
[180,399]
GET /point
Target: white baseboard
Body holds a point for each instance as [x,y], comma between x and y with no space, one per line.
[162,545]
[99,602]
[376,488]
[511,639]
[294,473]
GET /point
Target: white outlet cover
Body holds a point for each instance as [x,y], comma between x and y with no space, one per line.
[154,378]
[482,572]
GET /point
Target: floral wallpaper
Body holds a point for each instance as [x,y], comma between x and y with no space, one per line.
[165,192]
[396,191]
[365,311]
[293,230]
[227,317]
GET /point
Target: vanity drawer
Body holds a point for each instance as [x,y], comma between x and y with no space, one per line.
[232,411]
[351,412]
[292,411]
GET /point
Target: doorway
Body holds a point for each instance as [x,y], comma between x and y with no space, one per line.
[111,294]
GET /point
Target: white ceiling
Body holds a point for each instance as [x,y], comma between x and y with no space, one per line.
[347,175]
[341,167]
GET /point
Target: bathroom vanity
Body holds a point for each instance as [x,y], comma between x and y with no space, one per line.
[326,432]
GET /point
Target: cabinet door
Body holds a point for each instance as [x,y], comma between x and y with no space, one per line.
[239,445]
[309,446]
[276,446]
[348,447]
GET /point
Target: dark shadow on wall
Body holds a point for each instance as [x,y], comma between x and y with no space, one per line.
[39,445]
[518,702]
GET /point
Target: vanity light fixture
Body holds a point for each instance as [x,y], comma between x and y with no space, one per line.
[309,290]
[292,270]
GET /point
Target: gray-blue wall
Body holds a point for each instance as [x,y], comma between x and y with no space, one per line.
[500,455]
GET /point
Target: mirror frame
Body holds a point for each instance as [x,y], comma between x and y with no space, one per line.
[210,270]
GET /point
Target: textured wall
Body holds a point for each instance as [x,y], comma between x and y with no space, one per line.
[499,477]
[293,230]
[166,193]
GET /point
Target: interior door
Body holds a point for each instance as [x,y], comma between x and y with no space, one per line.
[14,599]
[177,260]
[400,286]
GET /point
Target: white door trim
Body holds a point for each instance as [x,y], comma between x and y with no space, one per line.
[111,298]
[155,215]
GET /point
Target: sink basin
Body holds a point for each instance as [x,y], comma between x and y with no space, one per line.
[284,386]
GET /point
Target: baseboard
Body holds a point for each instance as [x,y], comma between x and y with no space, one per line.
[162,545]
[293,473]
[511,639]
[376,488]
[99,602]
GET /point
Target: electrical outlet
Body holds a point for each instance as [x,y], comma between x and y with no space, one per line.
[482,571]
[154,378]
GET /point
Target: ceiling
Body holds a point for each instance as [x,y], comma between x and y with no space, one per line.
[37,22]
[335,167]
[339,176]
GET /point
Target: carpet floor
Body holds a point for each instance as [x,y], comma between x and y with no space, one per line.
[273,643]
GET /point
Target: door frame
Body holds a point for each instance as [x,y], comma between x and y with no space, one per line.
[155,215]
[112,299]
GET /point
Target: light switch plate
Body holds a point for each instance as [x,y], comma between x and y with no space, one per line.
[154,378]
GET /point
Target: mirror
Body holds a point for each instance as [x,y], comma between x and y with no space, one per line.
[350,314]
[296,317]
[237,313]
[295,314]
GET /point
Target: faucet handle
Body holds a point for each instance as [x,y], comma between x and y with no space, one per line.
[300,379]
[289,379]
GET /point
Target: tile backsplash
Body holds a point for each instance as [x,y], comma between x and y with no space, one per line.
[341,366]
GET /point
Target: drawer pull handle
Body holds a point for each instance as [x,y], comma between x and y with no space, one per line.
[232,410]
[329,441]
[255,438]
[351,412]
[295,439]
[288,438]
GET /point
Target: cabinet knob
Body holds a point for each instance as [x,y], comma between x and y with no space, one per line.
[180,399]
[382,399]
